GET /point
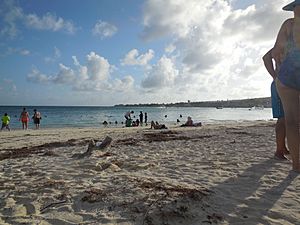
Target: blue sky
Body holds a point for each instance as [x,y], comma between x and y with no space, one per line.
[98,52]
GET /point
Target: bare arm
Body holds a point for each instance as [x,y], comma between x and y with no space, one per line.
[267,58]
[282,37]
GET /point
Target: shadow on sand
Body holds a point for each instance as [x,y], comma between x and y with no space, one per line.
[254,192]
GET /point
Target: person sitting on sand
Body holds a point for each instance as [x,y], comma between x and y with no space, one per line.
[190,123]
[156,125]
[137,122]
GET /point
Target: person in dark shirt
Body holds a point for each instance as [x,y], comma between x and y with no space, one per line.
[141,118]
[146,117]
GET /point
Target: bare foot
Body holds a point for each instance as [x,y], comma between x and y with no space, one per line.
[279,156]
[286,152]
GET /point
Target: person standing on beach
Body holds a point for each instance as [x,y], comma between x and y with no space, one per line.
[146,118]
[286,53]
[5,122]
[36,118]
[24,118]
[277,108]
[141,117]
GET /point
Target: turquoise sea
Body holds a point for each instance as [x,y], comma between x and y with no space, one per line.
[82,116]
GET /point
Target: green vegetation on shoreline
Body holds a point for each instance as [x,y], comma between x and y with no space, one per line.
[242,103]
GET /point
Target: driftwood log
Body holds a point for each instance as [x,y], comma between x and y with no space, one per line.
[92,146]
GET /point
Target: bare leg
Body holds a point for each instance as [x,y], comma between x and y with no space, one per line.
[290,101]
[280,139]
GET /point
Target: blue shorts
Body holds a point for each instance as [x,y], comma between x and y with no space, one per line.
[277,108]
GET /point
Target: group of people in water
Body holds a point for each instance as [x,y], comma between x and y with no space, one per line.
[154,125]
[129,122]
[24,119]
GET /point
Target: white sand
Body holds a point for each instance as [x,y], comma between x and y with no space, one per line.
[216,174]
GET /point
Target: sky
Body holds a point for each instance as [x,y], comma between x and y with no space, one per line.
[107,52]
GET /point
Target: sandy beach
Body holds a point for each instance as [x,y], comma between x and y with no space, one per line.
[214,174]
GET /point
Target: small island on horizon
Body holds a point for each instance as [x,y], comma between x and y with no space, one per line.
[264,102]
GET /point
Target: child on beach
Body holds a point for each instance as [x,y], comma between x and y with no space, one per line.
[5,122]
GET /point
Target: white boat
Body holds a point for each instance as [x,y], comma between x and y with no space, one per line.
[260,107]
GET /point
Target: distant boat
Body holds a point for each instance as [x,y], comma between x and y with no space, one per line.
[259,107]
[219,107]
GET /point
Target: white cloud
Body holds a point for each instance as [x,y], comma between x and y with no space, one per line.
[13,16]
[66,75]
[161,75]
[174,17]
[257,23]
[49,22]
[10,15]
[19,51]
[82,70]
[37,77]
[104,29]
[125,84]
[98,67]
[217,47]
[94,76]
[133,58]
